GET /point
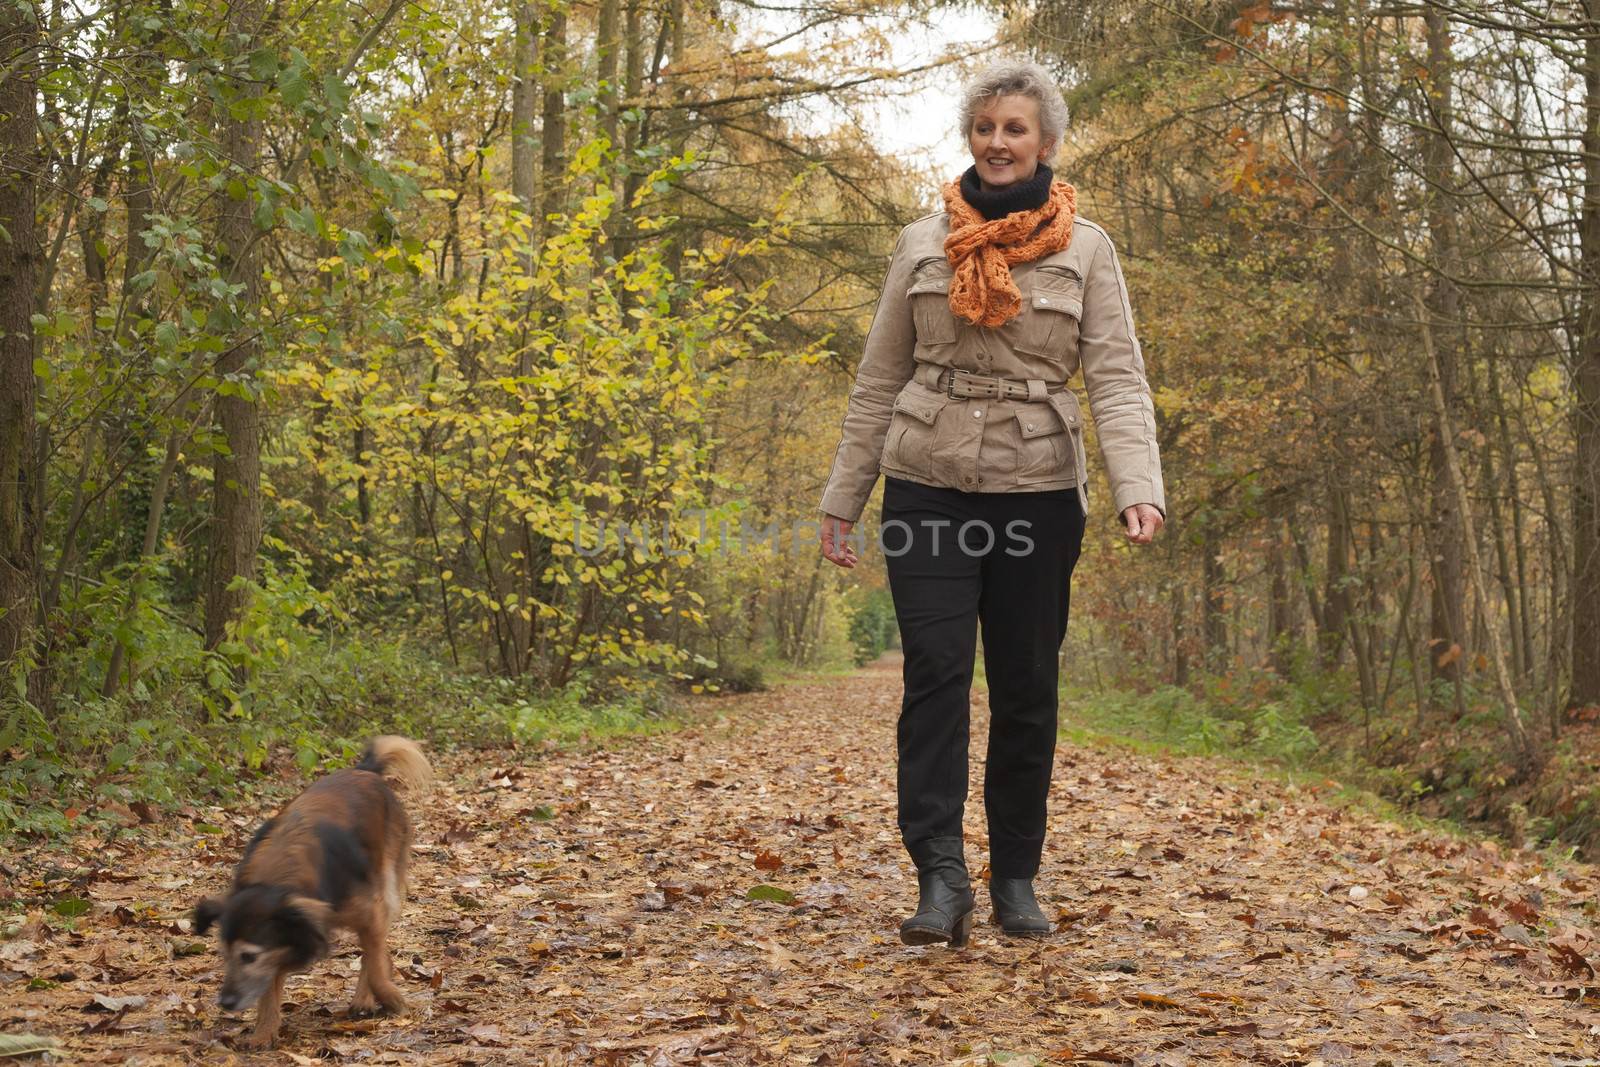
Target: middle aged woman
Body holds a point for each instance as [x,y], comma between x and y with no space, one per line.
[961,400]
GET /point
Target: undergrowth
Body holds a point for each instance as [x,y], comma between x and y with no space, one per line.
[177,736]
[1433,766]
[298,686]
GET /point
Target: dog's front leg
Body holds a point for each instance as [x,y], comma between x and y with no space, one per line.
[383,986]
[269,1015]
[364,1003]
[376,986]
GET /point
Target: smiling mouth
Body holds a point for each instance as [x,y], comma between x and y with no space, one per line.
[1000,162]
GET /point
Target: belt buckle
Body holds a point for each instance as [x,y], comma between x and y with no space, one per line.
[990,386]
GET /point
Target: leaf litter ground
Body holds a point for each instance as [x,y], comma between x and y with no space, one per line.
[729,893]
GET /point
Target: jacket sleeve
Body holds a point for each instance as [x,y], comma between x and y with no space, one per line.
[886,366]
[1119,394]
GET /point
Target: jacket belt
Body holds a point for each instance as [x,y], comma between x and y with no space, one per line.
[961,384]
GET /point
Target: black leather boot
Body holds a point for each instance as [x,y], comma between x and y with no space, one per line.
[1016,910]
[945,904]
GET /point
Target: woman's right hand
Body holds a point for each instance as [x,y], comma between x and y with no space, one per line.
[834,546]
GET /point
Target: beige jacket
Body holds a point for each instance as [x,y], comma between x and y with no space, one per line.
[901,419]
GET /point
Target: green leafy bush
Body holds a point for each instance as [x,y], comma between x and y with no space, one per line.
[290,683]
[873,628]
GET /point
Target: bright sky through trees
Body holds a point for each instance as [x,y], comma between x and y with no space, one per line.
[913,116]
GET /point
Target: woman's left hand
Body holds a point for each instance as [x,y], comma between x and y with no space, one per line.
[1142,522]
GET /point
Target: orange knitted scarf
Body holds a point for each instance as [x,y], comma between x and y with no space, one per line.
[981,250]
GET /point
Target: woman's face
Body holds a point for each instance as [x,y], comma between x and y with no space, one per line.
[1007,144]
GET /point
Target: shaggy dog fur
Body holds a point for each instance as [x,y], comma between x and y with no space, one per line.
[335,856]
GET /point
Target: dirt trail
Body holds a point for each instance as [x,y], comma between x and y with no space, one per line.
[592,908]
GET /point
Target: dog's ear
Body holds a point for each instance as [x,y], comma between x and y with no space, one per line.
[208,911]
[301,925]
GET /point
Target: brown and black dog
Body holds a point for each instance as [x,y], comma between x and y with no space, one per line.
[335,856]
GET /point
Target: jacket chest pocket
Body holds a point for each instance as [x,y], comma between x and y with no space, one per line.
[1054,309]
[929,294]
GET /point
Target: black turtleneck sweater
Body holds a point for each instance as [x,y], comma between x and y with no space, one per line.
[1018,196]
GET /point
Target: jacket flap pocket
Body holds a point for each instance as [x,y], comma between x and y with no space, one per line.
[923,409]
[1036,421]
[932,275]
[1058,273]
[1057,289]
[1066,406]
[1066,301]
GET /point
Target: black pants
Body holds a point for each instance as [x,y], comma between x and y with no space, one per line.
[957,560]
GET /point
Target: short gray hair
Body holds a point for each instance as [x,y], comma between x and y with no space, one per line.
[1021,78]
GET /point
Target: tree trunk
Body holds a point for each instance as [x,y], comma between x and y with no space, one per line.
[553,149]
[524,105]
[358,449]
[19,262]
[606,45]
[1280,632]
[1519,553]
[1363,645]
[1213,618]
[1336,587]
[1180,647]
[152,538]
[1586,413]
[236,484]
[1514,722]
[634,41]
[1448,629]
[138,197]
[1502,553]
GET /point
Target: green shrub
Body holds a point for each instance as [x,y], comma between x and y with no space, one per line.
[288,684]
[1174,718]
[873,629]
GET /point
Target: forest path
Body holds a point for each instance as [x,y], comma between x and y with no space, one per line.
[593,908]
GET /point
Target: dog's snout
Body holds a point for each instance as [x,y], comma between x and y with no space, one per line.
[228,999]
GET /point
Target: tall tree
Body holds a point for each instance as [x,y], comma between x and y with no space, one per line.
[633,80]
[553,148]
[1449,636]
[606,45]
[19,157]
[236,486]
[524,103]
[1586,410]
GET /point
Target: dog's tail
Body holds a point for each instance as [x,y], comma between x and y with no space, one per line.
[399,760]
